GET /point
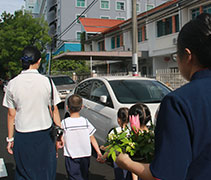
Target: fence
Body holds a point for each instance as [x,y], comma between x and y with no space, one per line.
[171,77]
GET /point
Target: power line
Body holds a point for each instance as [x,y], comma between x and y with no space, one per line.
[75,20]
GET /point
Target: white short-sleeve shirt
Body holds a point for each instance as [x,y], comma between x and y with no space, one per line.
[77,132]
[30,94]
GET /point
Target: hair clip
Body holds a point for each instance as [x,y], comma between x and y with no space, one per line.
[26,58]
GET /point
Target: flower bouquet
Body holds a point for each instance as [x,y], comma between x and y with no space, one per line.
[138,143]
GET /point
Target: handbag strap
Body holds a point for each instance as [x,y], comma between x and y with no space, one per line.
[52,98]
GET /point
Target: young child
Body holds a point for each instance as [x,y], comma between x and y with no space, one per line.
[78,137]
[122,119]
[142,113]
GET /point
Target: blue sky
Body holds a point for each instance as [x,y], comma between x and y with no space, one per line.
[10,5]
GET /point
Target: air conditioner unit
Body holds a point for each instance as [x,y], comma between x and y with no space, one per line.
[174,41]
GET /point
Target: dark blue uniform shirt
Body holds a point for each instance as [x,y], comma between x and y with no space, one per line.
[183,132]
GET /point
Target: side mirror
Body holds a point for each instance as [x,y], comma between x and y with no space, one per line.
[103,99]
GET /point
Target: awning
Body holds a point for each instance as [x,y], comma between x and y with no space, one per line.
[100,55]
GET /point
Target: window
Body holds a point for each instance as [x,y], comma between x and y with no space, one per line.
[104,4]
[142,32]
[120,6]
[149,6]
[78,36]
[82,16]
[139,35]
[164,27]
[101,46]
[118,41]
[138,7]
[83,89]
[99,89]
[80,3]
[207,9]
[104,17]
[120,18]
[144,91]
[195,13]
[112,42]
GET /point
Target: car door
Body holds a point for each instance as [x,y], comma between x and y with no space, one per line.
[102,115]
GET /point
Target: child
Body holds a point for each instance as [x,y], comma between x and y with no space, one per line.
[122,119]
[78,137]
[142,112]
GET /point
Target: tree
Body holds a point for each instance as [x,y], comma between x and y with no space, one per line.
[16,32]
[67,66]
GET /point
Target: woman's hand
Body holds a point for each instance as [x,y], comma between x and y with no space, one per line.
[10,147]
[59,145]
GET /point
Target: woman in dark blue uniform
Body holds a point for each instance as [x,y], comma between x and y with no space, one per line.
[183,131]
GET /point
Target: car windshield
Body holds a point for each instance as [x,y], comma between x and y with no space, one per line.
[133,91]
[62,80]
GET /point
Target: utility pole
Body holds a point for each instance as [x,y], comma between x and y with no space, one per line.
[134,40]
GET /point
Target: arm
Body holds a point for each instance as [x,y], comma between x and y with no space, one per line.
[142,170]
[96,147]
[57,121]
[56,116]
[10,125]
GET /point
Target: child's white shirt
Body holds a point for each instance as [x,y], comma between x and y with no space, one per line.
[77,132]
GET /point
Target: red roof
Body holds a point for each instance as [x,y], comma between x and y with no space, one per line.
[98,25]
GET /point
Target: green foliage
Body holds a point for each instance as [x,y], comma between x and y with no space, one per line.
[139,146]
[118,143]
[79,67]
[16,32]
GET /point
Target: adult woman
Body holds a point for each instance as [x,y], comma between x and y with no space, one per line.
[28,98]
[183,130]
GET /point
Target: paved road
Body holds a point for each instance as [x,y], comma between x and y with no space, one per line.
[97,171]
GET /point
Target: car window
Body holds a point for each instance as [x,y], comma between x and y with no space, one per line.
[99,89]
[62,80]
[83,89]
[132,91]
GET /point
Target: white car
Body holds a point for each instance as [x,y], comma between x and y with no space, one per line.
[103,96]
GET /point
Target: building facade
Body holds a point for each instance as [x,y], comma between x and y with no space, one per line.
[157,35]
[62,15]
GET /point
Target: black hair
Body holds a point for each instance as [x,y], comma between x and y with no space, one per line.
[30,55]
[143,111]
[123,114]
[196,36]
[75,103]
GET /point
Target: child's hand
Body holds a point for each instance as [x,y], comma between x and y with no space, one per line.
[103,148]
[100,158]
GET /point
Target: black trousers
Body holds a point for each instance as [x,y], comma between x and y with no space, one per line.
[78,168]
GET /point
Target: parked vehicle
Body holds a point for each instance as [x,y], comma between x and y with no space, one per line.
[103,96]
[64,85]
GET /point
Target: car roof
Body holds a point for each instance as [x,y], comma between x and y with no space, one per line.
[110,78]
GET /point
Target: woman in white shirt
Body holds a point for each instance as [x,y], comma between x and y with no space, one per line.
[29,138]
